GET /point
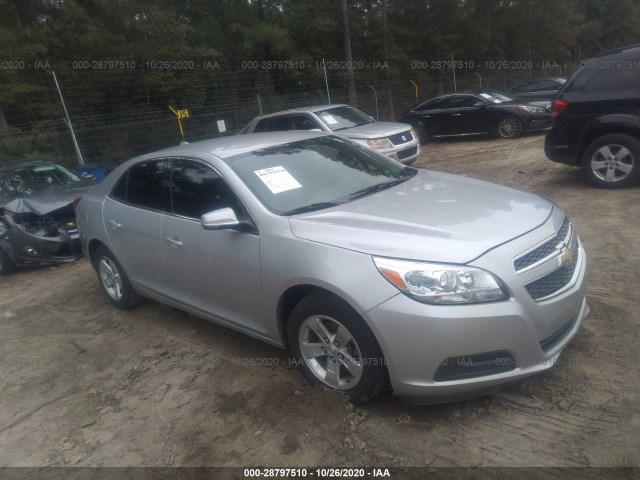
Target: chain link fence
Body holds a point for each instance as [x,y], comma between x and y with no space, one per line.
[109,138]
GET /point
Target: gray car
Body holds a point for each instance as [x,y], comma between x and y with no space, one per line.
[396,140]
[372,273]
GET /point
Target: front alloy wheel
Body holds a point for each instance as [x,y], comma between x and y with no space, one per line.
[330,352]
[509,127]
[611,161]
[333,346]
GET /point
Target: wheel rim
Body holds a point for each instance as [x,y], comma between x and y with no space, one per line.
[508,128]
[110,278]
[330,352]
[612,163]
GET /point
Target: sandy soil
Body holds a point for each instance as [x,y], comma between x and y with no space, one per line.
[84,384]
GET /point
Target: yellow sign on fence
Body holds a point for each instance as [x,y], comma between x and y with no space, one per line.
[180,114]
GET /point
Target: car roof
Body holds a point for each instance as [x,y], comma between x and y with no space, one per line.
[11,164]
[311,109]
[229,146]
[622,53]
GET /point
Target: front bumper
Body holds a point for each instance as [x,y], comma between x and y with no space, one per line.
[522,336]
[539,121]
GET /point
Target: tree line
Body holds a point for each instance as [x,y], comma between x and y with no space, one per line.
[118,56]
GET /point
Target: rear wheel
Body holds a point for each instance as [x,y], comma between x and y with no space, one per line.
[611,161]
[114,281]
[334,347]
[6,264]
[509,127]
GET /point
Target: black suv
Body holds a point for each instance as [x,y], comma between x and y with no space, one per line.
[596,119]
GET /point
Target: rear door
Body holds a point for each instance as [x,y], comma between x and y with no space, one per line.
[214,271]
[132,216]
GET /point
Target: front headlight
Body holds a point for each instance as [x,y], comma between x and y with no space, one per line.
[440,284]
[529,108]
[379,143]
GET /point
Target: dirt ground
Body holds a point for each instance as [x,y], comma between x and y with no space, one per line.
[84,384]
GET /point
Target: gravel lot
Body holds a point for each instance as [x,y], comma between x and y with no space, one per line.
[84,384]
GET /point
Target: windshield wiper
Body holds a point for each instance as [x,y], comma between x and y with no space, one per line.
[376,188]
[311,208]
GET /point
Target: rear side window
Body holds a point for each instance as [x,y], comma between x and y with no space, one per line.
[614,79]
[549,85]
[143,185]
[197,189]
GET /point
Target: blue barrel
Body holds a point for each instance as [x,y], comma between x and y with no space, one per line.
[95,169]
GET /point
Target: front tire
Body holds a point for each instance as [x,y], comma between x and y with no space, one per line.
[423,135]
[114,282]
[509,127]
[611,161]
[334,347]
[7,265]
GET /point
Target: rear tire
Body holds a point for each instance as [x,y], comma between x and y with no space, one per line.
[612,161]
[114,281]
[7,265]
[334,347]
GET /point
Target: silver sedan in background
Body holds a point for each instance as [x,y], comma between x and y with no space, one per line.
[373,274]
[393,139]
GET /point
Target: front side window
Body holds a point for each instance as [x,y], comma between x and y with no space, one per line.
[316,173]
[197,189]
[143,185]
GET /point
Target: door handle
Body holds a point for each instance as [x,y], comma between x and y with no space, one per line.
[115,225]
[455,114]
[173,241]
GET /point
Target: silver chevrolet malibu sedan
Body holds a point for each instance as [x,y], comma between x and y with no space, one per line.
[372,273]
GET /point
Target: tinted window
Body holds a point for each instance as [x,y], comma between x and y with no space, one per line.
[614,79]
[549,85]
[303,122]
[463,101]
[197,189]
[144,185]
[262,126]
[527,87]
[439,103]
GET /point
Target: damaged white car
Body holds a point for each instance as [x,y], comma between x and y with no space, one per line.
[37,214]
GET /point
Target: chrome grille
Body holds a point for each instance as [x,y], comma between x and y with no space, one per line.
[549,284]
[400,138]
[543,250]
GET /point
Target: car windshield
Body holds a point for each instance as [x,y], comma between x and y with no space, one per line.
[316,173]
[496,97]
[341,118]
[30,179]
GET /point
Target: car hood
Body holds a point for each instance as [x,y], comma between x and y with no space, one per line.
[43,203]
[432,217]
[374,130]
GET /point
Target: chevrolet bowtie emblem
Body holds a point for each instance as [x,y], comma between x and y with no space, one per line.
[565,256]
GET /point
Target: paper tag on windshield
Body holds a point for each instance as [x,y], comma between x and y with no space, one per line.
[277,179]
[329,119]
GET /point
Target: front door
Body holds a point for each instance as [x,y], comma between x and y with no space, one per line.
[214,271]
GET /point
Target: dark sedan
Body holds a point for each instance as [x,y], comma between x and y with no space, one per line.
[486,112]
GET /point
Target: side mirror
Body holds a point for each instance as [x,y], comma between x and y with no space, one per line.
[88,176]
[222,219]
